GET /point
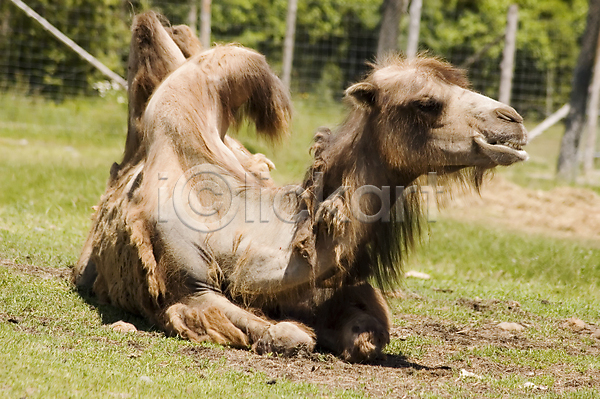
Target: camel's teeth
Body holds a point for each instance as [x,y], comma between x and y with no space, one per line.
[512,144]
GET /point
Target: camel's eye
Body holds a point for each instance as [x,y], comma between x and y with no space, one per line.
[429,106]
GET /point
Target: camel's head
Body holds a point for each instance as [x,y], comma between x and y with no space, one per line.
[422,115]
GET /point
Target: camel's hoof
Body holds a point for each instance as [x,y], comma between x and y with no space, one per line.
[364,343]
[365,348]
[286,338]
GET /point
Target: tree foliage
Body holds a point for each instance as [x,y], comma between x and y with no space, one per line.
[547,44]
[33,57]
[334,38]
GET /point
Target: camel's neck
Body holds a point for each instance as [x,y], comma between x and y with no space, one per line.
[352,158]
[359,193]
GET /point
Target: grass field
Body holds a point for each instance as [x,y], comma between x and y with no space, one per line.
[54,162]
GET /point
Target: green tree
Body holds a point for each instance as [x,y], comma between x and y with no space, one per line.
[33,57]
[334,38]
[568,163]
[547,42]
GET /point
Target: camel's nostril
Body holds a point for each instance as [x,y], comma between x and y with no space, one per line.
[508,114]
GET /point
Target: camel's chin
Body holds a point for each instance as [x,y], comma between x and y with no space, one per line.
[445,170]
[501,154]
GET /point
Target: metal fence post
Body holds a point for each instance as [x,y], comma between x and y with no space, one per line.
[288,43]
[413,28]
[508,55]
[205,23]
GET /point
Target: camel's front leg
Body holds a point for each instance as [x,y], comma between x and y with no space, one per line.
[354,323]
[211,316]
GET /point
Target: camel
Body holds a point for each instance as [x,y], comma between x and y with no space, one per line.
[192,233]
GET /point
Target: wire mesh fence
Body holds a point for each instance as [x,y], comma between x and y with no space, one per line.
[334,40]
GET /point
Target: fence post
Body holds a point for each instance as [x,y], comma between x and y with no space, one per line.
[192,17]
[592,115]
[413,28]
[508,55]
[549,91]
[288,43]
[205,24]
[391,13]
[550,121]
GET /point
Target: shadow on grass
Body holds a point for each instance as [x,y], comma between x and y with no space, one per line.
[401,362]
[110,314]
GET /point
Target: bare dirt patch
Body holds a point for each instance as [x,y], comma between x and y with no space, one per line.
[454,360]
[565,212]
[390,377]
[438,371]
[63,273]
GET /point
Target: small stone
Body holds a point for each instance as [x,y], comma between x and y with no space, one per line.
[507,326]
[146,379]
[271,382]
[531,385]
[575,324]
[416,274]
[123,327]
[596,334]
[467,374]
[513,304]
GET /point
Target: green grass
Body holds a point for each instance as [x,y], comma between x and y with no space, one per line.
[52,354]
[495,257]
[292,157]
[54,162]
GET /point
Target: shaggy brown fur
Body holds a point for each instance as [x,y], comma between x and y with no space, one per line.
[384,142]
[121,241]
[185,39]
[151,58]
[150,252]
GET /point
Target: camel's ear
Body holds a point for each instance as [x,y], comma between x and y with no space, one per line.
[362,94]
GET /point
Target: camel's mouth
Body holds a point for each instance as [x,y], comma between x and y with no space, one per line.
[505,152]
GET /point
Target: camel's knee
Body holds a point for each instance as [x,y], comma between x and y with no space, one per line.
[203,323]
[84,275]
[286,338]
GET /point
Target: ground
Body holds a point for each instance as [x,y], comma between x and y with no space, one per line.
[564,212]
[441,370]
[449,359]
[527,252]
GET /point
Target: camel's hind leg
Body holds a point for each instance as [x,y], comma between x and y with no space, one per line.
[354,323]
[212,317]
